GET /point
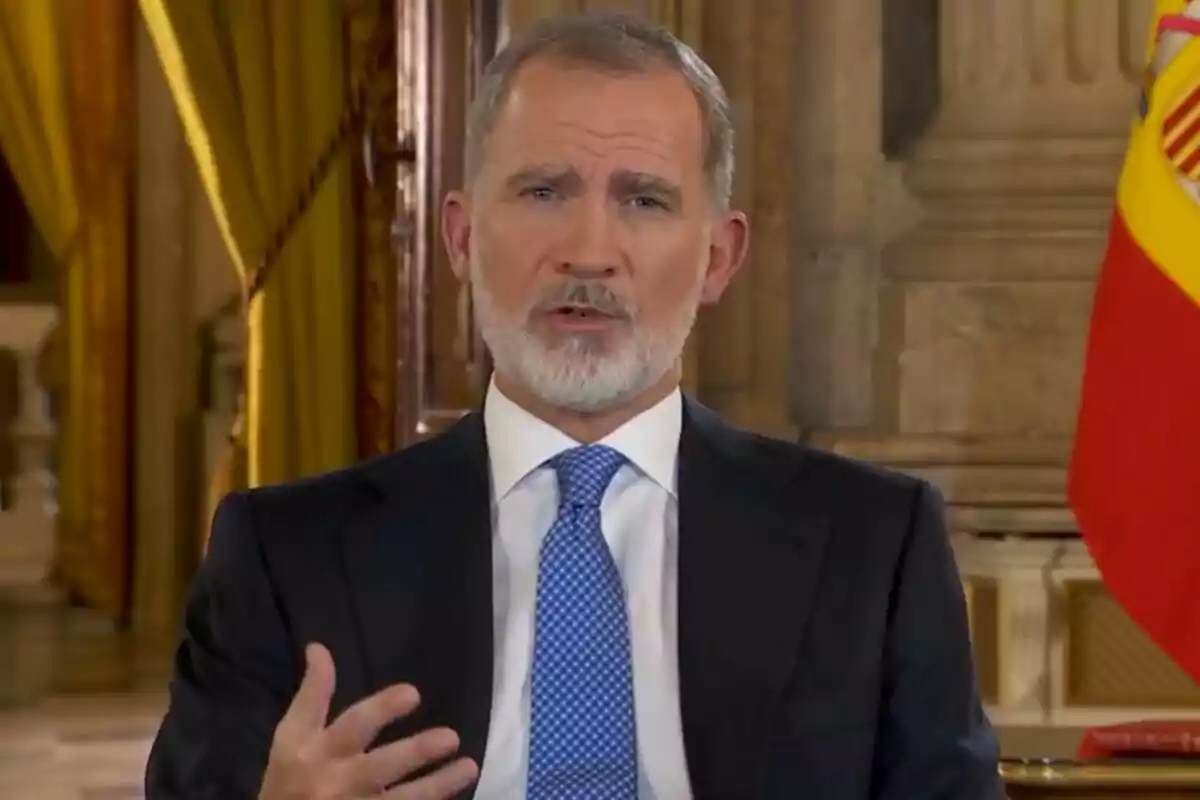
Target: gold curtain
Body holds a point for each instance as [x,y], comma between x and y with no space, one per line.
[260,86]
[66,81]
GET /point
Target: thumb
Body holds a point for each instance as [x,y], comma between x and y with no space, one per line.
[309,710]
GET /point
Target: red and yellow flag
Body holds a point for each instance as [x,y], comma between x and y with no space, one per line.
[1135,472]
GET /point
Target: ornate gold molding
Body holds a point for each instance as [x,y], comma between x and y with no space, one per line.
[1067,775]
[372,50]
[442,364]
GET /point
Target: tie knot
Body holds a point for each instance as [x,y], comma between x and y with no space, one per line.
[585,472]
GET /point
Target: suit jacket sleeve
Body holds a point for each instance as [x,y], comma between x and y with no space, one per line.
[935,742]
[235,672]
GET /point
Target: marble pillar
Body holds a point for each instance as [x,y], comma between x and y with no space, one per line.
[743,342]
[980,300]
[164,358]
[845,200]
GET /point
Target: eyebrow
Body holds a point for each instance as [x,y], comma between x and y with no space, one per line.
[623,183]
[561,178]
[627,182]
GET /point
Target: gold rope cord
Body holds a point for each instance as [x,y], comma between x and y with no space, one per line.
[350,124]
[230,470]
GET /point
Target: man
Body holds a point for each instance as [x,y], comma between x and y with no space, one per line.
[594,588]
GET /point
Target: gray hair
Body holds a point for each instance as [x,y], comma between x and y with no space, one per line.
[617,44]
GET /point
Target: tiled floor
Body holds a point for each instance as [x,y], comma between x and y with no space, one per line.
[94,747]
[88,739]
[78,748]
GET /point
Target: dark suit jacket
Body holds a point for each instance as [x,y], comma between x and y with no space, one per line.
[823,645]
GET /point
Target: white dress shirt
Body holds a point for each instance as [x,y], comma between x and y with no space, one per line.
[639,519]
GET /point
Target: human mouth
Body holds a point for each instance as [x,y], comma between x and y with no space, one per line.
[574,317]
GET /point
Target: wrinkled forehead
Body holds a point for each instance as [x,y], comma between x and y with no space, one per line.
[597,122]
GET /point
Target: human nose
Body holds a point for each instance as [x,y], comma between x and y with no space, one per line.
[589,246]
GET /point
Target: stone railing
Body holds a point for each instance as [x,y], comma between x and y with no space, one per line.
[223,365]
[1054,651]
[27,522]
[27,525]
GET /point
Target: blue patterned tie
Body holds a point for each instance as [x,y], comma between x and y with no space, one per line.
[583,743]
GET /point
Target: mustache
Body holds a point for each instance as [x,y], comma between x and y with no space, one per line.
[587,294]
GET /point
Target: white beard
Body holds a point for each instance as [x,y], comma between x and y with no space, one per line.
[582,373]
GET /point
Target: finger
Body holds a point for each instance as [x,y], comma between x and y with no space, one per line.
[356,727]
[389,763]
[309,709]
[440,785]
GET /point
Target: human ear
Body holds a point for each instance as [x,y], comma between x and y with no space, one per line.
[456,232]
[726,254]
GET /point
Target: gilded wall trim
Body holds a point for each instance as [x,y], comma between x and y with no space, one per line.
[372,50]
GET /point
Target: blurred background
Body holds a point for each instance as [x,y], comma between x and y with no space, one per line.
[197,191]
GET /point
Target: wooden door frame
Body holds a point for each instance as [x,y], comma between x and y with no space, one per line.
[442,365]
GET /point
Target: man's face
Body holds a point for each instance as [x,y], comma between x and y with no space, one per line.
[590,236]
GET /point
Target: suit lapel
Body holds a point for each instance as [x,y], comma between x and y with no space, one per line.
[420,574]
[749,562]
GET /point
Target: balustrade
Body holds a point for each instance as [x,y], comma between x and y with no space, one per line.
[27,523]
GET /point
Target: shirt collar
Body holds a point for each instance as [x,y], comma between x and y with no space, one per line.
[518,442]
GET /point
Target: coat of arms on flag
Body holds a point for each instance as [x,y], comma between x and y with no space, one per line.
[1181,125]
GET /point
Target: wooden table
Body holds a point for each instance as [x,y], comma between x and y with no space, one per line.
[1101,780]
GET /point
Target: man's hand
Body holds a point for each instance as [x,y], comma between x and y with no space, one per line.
[312,761]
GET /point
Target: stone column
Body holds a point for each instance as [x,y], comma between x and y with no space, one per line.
[1050,69]
[183,276]
[1025,631]
[164,354]
[843,203]
[982,306]
[742,344]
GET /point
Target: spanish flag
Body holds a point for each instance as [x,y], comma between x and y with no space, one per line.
[1134,481]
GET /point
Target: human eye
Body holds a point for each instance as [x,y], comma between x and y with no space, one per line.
[541,194]
[648,203]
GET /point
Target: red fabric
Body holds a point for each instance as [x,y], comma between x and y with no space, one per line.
[1180,24]
[1186,106]
[1185,139]
[1142,739]
[1134,480]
